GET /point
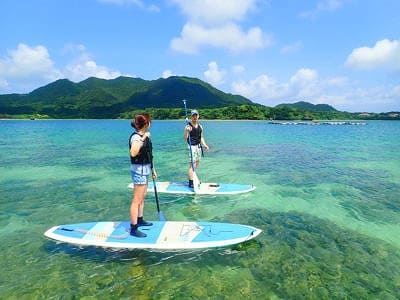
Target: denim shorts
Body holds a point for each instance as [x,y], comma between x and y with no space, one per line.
[139,178]
[140,173]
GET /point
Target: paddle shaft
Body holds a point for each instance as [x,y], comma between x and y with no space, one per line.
[156,195]
[160,214]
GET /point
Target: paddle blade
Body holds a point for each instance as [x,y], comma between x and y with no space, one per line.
[196,182]
[161,217]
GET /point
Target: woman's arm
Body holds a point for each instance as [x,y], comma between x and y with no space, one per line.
[137,144]
[135,147]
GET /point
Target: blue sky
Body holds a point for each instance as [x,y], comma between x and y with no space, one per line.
[345,53]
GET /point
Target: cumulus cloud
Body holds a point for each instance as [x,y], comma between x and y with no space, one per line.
[306,85]
[216,12]
[263,89]
[384,54]
[26,61]
[267,90]
[215,24]
[229,36]
[83,65]
[29,67]
[304,77]
[82,70]
[25,65]
[213,75]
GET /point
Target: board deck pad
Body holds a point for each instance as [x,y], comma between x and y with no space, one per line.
[172,235]
[206,188]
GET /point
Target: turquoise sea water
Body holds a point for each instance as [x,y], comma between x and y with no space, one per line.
[327,200]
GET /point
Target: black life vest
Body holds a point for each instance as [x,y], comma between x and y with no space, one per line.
[195,135]
[145,155]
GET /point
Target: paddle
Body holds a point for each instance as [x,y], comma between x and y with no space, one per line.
[196,182]
[160,214]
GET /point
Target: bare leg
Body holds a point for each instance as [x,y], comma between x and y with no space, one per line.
[136,209]
[137,205]
[190,172]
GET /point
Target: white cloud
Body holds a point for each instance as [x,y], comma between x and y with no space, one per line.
[385,54]
[229,36]
[238,69]
[304,77]
[213,75]
[262,89]
[216,12]
[26,65]
[167,73]
[323,6]
[82,70]
[26,68]
[215,24]
[305,85]
[383,98]
[83,65]
[25,62]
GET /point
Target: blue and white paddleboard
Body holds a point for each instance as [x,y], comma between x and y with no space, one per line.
[166,235]
[205,188]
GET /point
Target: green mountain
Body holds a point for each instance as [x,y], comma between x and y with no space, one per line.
[101,98]
[301,105]
[123,97]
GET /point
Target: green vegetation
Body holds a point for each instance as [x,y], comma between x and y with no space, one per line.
[260,112]
[124,97]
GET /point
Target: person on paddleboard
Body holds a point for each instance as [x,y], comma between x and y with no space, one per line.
[141,154]
[193,135]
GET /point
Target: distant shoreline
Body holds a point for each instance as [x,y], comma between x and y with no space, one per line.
[278,122]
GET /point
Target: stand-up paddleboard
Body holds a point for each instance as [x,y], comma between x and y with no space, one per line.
[171,187]
[162,235]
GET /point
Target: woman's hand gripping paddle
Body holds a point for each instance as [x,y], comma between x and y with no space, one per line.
[196,181]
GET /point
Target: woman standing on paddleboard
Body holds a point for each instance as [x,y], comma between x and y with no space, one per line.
[140,148]
[193,134]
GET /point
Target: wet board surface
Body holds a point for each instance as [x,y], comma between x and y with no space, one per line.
[162,235]
[171,187]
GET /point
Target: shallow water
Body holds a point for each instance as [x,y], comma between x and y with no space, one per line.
[327,200]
